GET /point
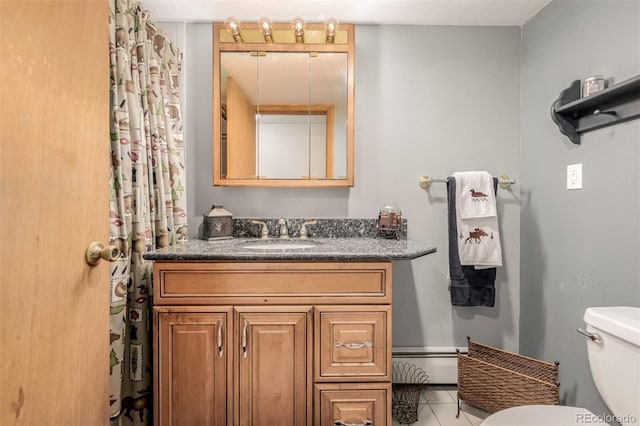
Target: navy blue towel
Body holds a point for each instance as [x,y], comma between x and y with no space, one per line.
[469,286]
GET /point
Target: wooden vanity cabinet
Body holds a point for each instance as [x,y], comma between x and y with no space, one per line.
[272,343]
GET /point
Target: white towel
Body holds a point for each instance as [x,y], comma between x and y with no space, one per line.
[478,234]
[475,197]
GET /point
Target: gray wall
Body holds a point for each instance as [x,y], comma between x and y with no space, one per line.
[429,100]
[578,248]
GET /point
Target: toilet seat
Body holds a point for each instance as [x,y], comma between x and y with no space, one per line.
[542,415]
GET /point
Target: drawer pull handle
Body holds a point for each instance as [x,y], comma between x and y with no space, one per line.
[244,338]
[341,423]
[366,344]
[220,348]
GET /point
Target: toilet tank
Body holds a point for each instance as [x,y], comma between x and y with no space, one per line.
[615,359]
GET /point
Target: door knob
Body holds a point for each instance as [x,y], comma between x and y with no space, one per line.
[97,251]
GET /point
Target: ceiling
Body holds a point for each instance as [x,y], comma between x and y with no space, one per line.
[376,12]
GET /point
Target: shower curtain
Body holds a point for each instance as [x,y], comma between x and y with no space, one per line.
[147,195]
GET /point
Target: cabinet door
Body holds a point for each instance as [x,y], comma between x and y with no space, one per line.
[191,372]
[274,373]
[364,404]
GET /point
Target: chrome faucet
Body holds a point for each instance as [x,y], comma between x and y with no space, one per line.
[284,230]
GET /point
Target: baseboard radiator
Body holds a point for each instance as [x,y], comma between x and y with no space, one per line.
[439,362]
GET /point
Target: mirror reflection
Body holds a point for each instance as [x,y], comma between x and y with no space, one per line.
[284,116]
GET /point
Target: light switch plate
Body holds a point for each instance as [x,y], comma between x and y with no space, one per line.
[574,176]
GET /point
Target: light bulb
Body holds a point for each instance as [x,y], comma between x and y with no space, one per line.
[266,28]
[331,28]
[298,26]
[232,25]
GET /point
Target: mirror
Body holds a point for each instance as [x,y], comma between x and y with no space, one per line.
[283,111]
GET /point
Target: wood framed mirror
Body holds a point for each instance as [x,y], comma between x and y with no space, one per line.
[283,110]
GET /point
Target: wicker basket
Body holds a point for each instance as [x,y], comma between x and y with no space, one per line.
[493,379]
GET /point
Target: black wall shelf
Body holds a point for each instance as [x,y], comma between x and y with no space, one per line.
[575,115]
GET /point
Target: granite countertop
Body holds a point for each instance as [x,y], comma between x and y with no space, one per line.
[339,249]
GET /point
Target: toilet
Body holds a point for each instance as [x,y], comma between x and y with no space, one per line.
[613,348]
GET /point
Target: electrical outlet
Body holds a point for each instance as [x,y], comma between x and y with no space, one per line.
[574,176]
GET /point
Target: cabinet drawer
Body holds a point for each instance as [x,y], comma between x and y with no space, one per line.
[353,404]
[180,283]
[354,343]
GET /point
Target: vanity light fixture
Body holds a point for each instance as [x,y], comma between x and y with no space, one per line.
[331,28]
[298,26]
[232,25]
[266,28]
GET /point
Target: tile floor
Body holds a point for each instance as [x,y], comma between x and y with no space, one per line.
[438,407]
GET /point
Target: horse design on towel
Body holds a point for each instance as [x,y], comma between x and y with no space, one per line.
[476,236]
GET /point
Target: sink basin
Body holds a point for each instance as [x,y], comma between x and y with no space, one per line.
[279,245]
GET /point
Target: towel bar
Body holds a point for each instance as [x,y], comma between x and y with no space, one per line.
[503,180]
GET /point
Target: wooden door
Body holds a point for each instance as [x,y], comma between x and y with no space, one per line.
[54,128]
[191,368]
[274,374]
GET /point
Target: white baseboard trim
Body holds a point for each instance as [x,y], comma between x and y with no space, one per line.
[439,362]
